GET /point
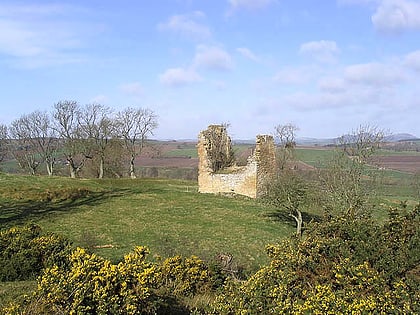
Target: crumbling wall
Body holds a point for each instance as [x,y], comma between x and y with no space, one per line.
[246,180]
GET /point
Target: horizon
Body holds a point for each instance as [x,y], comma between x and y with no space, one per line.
[326,67]
[302,138]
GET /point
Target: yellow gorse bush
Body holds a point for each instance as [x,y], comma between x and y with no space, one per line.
[94,285]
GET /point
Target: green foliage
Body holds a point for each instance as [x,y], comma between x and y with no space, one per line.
[346,183]
[13,293]
[288,192]
[341,266]
[25,251]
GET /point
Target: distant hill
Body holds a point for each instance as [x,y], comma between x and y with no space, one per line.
[328,141]
[308,141]
[400,137]
[315,141]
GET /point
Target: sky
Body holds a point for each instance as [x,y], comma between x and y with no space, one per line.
[326,66]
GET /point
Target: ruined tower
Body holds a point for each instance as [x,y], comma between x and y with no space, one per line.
[245,180]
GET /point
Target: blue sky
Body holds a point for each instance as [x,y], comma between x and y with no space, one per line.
[326,66]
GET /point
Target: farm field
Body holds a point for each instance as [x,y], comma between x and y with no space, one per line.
[403,163]
[184,154]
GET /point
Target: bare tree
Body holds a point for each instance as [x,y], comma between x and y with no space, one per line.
[286,136]
[134,127]
[66,115]
[362,142]
[41,137]
[24,150]
[4,142]
[347,179]
[97,129]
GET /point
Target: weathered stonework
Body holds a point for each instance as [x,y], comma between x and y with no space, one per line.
[245,180]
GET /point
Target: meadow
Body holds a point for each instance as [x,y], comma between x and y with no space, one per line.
[170,216]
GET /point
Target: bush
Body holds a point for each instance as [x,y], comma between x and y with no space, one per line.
[25,251]
[185,276]
[340,266]
[93,285]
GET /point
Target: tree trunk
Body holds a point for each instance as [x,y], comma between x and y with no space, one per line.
[72,167]
[132,170]
[50,168]
[299,221]
[101,168]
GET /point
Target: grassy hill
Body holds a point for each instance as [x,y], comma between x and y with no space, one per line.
[170,216]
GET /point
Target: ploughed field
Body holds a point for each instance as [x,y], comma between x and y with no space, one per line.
[403,163]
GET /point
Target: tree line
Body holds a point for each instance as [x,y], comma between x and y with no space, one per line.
[73,134]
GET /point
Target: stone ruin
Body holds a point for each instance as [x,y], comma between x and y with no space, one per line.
[248,180]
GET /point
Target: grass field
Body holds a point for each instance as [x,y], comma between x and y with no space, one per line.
[316,157]
[169,216]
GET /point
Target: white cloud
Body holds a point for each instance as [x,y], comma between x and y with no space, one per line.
[175,77]
[34,36]
[298,75]
[322,51]
[133,88]
[101,99]
[374,74]
[188,25]
[360,2]
[249,4]
[206,58]
[393,16]
[331,84]
[247,53]
[212,58]
[412,60]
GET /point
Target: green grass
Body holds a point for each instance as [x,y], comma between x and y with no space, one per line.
[169,216]
[182,152]
[388,152]
[13,292]
[315,157]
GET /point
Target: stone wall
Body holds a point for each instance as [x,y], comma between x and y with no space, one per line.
[243,180]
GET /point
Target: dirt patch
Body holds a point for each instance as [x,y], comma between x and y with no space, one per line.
[404,163]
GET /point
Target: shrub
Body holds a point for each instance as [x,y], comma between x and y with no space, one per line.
[341,266]
[25,251]
[185,276]
[93,285]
